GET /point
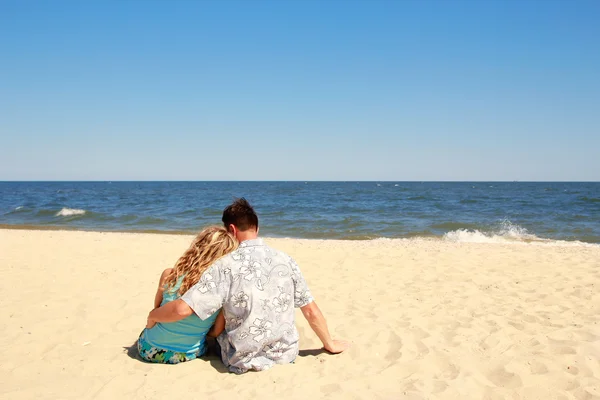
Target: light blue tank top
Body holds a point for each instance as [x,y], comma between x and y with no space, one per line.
[185,336]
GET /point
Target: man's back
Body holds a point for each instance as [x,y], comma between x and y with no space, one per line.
[258,288]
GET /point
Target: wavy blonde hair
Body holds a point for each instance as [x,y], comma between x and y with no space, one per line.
[211,244]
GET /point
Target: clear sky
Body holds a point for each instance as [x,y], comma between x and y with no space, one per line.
[300,90]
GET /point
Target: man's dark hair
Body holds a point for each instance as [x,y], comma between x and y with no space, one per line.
[241,214]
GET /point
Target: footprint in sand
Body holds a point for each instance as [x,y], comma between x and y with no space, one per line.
[530,318]
[503,378]
[586,336]
[590,393]
[563,350]
[538,368]
[447,370]
[394,348]
[572,370]
[516,325]
[331,388]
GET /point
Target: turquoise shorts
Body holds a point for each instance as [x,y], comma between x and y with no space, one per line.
[162,356]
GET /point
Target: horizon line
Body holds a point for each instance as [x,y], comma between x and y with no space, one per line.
[299,180]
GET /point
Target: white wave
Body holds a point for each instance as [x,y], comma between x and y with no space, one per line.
[19,208]
[473,236]
[68,212]
[507,232]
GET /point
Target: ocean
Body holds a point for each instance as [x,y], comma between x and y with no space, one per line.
[455,211]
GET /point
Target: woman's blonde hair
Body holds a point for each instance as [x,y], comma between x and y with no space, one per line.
[211,244]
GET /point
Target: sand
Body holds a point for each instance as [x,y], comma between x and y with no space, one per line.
[428,319]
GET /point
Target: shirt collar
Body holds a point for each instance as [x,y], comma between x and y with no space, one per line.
[252,242]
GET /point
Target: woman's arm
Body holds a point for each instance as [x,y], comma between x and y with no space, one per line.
[161,287]
[218,326]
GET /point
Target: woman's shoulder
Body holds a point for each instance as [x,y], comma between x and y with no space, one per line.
[165,274]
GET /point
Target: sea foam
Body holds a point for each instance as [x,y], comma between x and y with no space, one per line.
[506,232]
[68,212]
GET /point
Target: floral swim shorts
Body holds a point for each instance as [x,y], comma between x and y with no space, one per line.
[157,355]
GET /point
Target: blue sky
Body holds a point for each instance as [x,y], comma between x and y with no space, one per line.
[300,90]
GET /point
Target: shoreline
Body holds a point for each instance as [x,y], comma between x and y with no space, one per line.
[433,238]
[462,211]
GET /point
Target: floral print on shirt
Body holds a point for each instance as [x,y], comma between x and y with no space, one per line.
[258,288]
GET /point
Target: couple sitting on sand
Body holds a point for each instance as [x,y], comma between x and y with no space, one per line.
[244,296]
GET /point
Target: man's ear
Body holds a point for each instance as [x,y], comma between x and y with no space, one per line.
[232,229]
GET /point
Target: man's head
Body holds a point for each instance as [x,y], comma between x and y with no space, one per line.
[240,219]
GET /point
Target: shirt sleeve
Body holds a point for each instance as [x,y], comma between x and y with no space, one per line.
[209,294]
[302,295]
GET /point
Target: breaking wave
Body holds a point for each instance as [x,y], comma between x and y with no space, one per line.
[505,232]
[69,212]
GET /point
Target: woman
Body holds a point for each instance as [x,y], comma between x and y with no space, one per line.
[186,339]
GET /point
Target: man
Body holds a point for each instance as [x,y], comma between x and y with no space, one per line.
[258,288]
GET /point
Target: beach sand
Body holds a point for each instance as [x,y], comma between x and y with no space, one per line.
[428,319]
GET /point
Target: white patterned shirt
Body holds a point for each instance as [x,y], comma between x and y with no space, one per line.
[258,288]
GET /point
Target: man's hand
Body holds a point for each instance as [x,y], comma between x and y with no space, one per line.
[150,323]
[317,322]
[337,346]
